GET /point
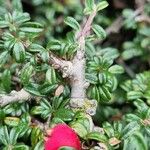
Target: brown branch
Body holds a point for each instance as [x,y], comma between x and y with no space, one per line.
[143,18]
[140,3]
[78,83]
[121,62]
[64,66]
[15,96]
[37,123]
[118,23]
[115,26]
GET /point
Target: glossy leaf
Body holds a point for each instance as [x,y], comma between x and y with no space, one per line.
[99,31]
[116,69]
[6,80]
[102,5]
[19,52]
[97,136]
[72,23]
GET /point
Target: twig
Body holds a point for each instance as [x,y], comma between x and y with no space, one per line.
[15,96]
[8,5]
[118,23]
[115,26]
[64,66]
[140,3]
[37,123]
[143,18]
[47,122]
[127,69]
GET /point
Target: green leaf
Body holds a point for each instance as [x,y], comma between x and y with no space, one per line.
[101,5]
[9,40]
[99,31]
[82,125]
[36,48]
[108,129]
[79,129]
[12,121]
[64,114]
[17,5]
[4,24]
[13,135]
[56,121]
[19,18]
[114,82]
[26,73]
[4,136]
[35,135]
[91,78]
[36,110]
[45,109]
[93,93]
[2,115]
[31,27]
[20,147]
[87,11]
[141,105]
[33,89]
[134,95]
[47,88]
[116,69]
[6,80]
[97,136]
[51,76]
[66,148]
[8,17]
[109,53]
[136,141]
[130,53]
[130,129]
[54,45]
[22,128]
[104,93]
[39,145]
[45,56]
[89,4]
[118,126]
[19,52]
[102,78]
[72,23]
[71,37]
[132,117]
[4,57]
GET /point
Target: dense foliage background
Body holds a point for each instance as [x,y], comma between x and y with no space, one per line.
[117,70]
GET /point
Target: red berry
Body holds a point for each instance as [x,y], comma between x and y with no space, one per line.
[62,135]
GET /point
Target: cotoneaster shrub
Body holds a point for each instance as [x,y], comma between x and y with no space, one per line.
[76,70]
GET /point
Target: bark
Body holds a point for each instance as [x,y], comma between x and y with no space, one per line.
[15,96]
[78,83]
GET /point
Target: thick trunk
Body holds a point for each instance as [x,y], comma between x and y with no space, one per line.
[78,82]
